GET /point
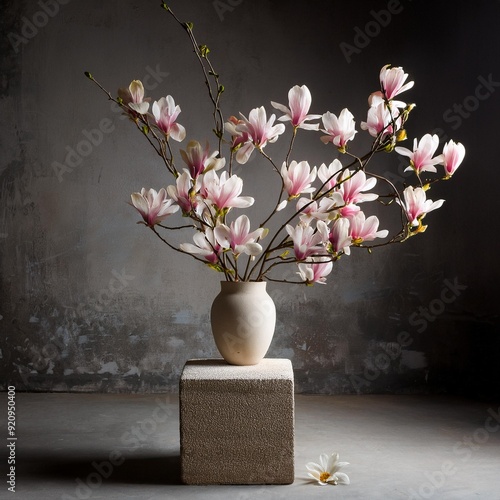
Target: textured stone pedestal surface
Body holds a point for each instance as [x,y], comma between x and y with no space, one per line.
[237,422]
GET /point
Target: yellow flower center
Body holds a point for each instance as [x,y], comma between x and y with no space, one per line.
[324,476]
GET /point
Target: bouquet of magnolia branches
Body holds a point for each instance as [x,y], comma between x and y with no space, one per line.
[324,219]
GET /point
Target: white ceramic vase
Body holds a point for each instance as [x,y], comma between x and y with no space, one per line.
[243,319]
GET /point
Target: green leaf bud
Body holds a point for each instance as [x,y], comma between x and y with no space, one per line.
[204,50]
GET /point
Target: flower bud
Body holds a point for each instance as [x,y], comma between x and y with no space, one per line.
[406,112]
[204,50]
[401,135]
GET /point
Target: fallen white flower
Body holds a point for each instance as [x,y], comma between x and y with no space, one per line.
[327,471]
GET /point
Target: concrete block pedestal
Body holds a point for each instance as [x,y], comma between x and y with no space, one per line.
[237,422]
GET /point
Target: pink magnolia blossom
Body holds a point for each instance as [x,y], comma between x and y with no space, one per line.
[453,155]
[349,210]
[416,205]
[421,159]
[199,160]
[165,113]
[315,271]
[184,192]
[153,206]
[238,236]
[328,175]
[260,131]
[224,192]
[238,138]
[352,185]
[306,241]
[133,97]
[317,211]
[298,178]
[363,229]
[299,102]
[338,235]
[205,245]
[379,121]
[392,82]
[340,130]
[375,98]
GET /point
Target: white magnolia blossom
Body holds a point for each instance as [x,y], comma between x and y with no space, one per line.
[328,470]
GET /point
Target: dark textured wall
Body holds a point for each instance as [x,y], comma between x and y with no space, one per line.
[90,301]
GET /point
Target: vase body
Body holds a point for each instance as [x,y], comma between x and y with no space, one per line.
[243,319]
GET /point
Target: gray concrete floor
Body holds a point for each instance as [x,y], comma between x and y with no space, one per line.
[111,446]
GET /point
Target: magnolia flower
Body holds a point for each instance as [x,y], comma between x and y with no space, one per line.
[165,113]
[453,155]
[323,210]
[349,210]
[238,236]
[205,245]
[299,102]
[351,186]
[153,206]
[421,159]
[306,241]
[328,175]
[133,97]
[392,82]
[379,121]
[260,131]
[339,130]
[330,220]
[224,192]
[363,229]
[198,159]
[297,178]
[376,98]
[327,471]
[315,271]
[416,205]
[184,192]
[237,137]
[339,237]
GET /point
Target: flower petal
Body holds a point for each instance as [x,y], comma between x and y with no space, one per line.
[342,478]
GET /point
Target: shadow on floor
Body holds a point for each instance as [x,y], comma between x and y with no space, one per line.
[154,469]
